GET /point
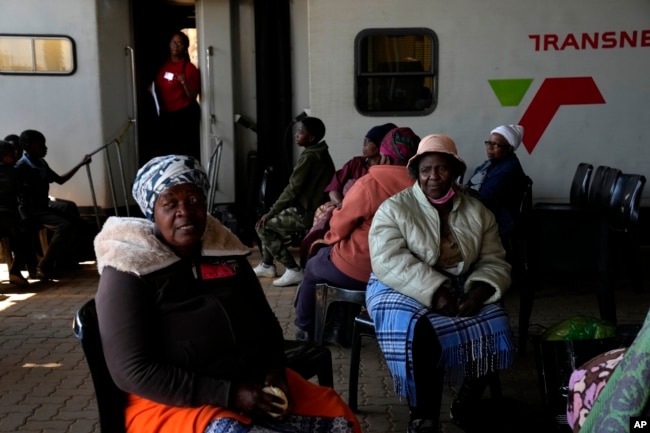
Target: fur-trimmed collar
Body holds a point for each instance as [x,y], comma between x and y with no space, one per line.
[129,245]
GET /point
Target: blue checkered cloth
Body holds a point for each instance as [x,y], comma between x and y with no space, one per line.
[471,346]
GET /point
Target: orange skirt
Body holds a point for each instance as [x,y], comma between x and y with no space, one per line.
[143,415]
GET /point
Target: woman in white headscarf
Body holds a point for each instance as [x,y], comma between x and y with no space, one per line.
[500,181]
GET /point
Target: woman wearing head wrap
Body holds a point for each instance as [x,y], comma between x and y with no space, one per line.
[438,271]
[500,181]
[294,210]
[345,262]
[186,330]
[341,183]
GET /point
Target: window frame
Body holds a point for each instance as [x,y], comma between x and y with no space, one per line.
[359,75]
[33,39]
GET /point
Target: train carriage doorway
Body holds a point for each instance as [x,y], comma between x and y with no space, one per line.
[153,23]
[243,55]
[208,23]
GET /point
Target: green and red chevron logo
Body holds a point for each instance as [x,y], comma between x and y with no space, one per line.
[552,94]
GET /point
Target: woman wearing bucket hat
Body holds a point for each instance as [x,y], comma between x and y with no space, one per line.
[438,271]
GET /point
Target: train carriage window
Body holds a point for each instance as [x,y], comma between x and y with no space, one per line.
[37,55]
[396,72]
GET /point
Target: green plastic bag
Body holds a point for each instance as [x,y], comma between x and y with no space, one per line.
[580,328]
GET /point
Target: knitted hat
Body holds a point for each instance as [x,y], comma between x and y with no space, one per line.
[399,144]
[164,172]
[377,133]
[438,143]
[512,133]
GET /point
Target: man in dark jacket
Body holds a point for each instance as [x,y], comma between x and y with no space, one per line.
[294,209]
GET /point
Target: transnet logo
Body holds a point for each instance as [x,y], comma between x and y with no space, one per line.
[553,93]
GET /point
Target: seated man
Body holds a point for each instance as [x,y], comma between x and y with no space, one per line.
[345,261]
[10,223]
[294,209]
[35,209]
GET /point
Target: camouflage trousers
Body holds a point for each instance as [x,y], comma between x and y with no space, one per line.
[274,231]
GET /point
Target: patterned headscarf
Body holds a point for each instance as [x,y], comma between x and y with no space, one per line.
[400,144]
[163,172]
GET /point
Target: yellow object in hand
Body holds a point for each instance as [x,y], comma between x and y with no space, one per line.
[274,390]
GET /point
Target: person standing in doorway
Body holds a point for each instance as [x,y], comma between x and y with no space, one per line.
[176,87]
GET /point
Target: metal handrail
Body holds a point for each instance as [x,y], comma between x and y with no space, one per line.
[213,170]
[214,162]
[117,141]
[210,83]
[129,50]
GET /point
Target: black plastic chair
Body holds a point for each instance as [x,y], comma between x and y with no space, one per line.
[602,187]
[626,202]
[309,360]
[306,359]
[579,193]
[265,196]
[363,327]
[110,399]
[326,294]
[623,224]
[519,260]
[572,243]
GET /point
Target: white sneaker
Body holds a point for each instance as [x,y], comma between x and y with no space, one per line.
[265,271]
[289,278]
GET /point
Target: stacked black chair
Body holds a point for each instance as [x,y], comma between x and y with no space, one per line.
[602,187]
[571,242]
[306,359]
[623,225]
[579,193]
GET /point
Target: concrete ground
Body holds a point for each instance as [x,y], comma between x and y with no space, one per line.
[45,385]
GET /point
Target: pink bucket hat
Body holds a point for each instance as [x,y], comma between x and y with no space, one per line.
[438,143]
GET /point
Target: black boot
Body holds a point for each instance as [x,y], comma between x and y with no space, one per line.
[464,405]
[423,425]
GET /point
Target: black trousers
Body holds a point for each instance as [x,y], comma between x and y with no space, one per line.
[19,241]
[179,131]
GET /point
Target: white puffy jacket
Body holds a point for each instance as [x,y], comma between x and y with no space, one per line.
[404,244]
